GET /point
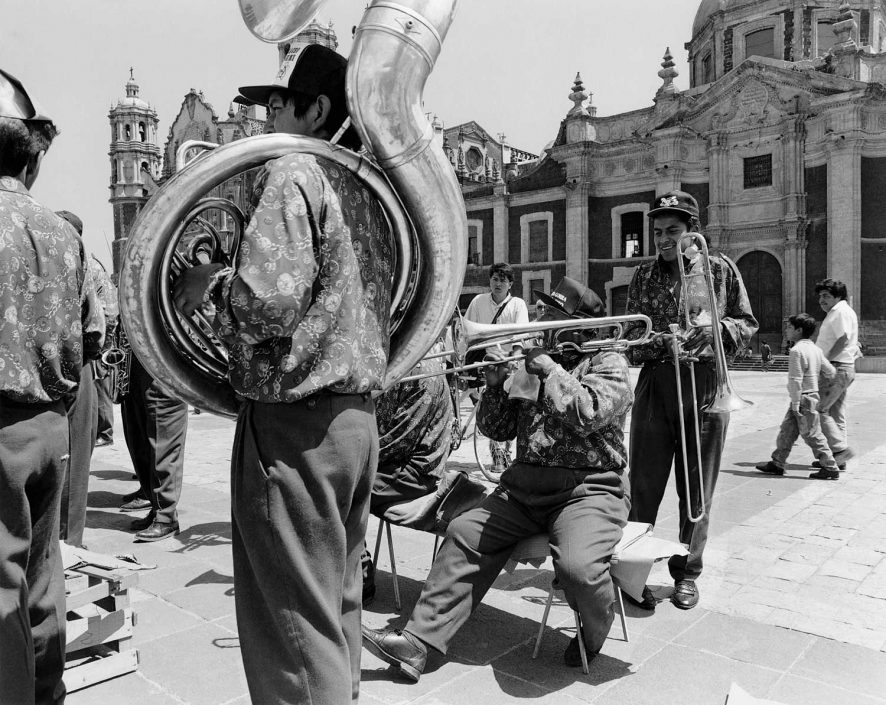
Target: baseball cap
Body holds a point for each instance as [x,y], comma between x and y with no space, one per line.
[674,202]
[574,299]
[15,102]
[313,69]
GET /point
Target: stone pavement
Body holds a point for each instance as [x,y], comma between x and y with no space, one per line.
[793,599]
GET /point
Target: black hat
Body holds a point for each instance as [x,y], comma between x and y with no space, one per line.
[15,102]
[72,219]
[674,202]
[313,70]
[574,299]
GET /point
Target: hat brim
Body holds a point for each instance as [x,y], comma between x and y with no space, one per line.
[261,95]
[548,301]
[670,209]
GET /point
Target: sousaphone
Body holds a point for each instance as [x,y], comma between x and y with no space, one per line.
[395,48]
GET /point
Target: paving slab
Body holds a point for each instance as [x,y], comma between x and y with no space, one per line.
[793,596]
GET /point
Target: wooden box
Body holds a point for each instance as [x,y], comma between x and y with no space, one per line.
[100,623]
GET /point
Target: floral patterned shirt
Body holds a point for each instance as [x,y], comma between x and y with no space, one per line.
[415,421]
[577,421]
[307,306]
[650,293]
[50,318]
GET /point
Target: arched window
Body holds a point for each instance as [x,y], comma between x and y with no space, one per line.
[142,132]
[760,43]
[127,131]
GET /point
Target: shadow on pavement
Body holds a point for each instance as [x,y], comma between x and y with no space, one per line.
[216,533]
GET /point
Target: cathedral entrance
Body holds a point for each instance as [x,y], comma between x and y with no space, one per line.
[761,273]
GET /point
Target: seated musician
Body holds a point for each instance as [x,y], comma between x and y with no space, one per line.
[568,480]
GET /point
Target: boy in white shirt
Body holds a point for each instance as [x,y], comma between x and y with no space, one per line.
[805,363]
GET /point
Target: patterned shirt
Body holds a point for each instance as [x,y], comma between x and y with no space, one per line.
[415,421]
[50,318]
[307,307]
[577,421]
[650,293]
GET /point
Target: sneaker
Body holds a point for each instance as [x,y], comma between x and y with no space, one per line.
[770,468]
[825,474]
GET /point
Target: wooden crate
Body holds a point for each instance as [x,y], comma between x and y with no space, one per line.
[100,623]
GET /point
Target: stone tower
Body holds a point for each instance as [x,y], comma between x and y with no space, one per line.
[314,33]
[135,161]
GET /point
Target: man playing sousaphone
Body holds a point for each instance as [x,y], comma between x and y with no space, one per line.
[568,480]
[304,312]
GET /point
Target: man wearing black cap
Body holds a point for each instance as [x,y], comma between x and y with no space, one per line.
[44,297]
[656,290]
[304,313]
[568,480]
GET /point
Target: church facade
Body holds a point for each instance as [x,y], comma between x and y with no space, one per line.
[781,137]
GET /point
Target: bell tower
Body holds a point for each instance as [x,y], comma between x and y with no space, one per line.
[314,33]
[135,161]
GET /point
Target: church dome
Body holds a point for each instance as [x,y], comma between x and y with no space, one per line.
[705,10]
[132,99]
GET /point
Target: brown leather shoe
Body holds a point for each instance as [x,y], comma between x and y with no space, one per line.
[399,649]
[685,594]
[136,504]
[158,531]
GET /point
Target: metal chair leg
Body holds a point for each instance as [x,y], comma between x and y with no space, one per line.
[381,528]
[619,600]
[393,567]
[581,643]
[544,621]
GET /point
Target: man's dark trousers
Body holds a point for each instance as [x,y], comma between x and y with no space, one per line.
[655,444]
[33,455]
[105,431]
[155,426]
[583,511]
[83,424]
[301,477]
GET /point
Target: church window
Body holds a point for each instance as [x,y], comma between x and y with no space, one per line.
[127,131]
[758,171]
[538,241]
[473,244]
[142,132]
[632,234]
[760,43]
[824,34]
[533,286]
[474,159]
[707,69]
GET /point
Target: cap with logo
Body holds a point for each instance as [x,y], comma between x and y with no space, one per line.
[15,102]
[674,202]
[313,70]
[574,299]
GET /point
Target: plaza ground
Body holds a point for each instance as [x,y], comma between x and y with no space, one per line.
[793,597]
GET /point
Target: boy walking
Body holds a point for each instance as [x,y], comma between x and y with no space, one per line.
[765,356]
[805,363]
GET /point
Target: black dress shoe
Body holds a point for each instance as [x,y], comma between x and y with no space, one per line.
[399,649]
[572,655]
[840,466]
[158,531]
[137,504]
[685,594]
[825,474]
[647,603]
[770,468]
[143,523]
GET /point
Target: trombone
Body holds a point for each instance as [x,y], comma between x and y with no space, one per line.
[468,337]
[726,399]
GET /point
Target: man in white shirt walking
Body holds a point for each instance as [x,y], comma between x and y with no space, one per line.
[838,340]
[499,306]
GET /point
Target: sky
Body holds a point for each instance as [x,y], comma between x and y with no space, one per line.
[507,64]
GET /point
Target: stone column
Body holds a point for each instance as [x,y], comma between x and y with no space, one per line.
[718,183]
[500,223]
[844,214]
[794,274]
[577,230]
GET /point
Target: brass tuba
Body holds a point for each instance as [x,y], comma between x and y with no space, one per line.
[395,48]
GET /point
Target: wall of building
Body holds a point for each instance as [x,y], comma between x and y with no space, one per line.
[873,229]
[816,234]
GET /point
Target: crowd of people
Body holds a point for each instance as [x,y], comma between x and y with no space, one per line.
[304,313]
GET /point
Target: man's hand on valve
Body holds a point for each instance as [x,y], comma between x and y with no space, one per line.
[538,362]
[191,285]
[496,374]
[698,339]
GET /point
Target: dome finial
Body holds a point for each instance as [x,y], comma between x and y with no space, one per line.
[667,74]
[578,96]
